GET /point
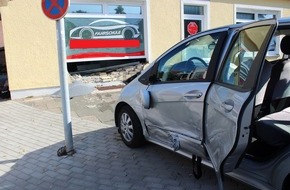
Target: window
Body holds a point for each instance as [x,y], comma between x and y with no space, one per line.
[104,31]
[193,10]
[188,62]
[242,55]
[245,17]
[255,14]
[251,15]
[85,8]
[124,9]
[193,19]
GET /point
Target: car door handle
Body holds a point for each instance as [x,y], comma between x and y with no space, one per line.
[193,94]
[228,105]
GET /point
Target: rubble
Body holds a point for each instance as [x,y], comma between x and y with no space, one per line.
[109,79]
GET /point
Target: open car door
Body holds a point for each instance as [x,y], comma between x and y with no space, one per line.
[230,99]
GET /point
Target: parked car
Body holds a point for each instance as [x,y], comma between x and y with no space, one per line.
[217,99]
[106,29]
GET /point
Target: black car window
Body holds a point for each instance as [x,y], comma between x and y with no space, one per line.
[190,61]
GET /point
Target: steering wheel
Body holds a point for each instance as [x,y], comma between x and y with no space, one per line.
[190,75]
[197,58]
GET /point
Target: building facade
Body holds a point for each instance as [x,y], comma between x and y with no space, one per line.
[111,31]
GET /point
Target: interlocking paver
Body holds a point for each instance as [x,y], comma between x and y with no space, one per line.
[30,138]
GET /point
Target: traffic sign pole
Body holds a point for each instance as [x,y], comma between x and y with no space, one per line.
[64,87]
[56,10]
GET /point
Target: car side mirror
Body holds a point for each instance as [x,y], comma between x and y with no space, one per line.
[145,98]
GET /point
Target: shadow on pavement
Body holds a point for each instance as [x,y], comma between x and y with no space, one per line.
[102,161]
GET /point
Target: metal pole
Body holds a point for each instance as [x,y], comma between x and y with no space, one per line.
[64,87]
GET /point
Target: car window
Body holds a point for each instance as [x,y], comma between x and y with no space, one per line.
[190,61]
[242,56]
[105,23]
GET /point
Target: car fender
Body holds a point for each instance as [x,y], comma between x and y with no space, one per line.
[130,96]
[128,29]
[74,30]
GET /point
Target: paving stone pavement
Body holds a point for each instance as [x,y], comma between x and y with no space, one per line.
[32,131]
[96,106]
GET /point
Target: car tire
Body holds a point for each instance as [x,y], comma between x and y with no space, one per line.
[128,34]
[86,33]
[130,127]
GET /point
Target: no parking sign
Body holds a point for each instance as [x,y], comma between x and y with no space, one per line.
[55,9]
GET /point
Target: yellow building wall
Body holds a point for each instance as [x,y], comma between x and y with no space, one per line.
[30,46]
[165,25]
[286,12]
[1,35]
[222,12]
[268,3]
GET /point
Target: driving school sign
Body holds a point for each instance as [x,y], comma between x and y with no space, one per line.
[54,9]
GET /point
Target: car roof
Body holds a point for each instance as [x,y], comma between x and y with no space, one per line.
[282,23]
[283,26]
[226,27]
[108,20]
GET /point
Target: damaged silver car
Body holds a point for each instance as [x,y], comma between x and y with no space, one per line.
[219,99]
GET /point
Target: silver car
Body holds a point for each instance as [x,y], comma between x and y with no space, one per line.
[217,99]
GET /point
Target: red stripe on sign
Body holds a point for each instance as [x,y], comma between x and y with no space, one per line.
[84,44]
[104,54]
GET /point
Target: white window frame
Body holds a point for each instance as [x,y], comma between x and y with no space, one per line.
[204,18]
[105,14]
[256,10]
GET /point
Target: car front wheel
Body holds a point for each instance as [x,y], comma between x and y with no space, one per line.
[130,127]
[86,33]
[128,33]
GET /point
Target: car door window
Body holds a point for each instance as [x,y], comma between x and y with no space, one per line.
[188,62]
[242,55]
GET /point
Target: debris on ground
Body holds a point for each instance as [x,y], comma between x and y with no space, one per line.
[112,79]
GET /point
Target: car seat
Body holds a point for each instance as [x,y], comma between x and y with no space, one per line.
[273,127]
[277,93]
